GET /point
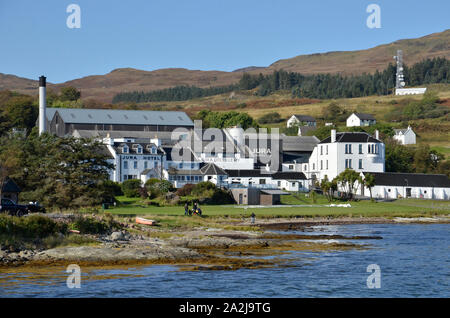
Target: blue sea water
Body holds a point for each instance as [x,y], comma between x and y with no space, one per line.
[414,260]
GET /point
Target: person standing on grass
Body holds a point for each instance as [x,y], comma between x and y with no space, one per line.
[253,218]
[186,208]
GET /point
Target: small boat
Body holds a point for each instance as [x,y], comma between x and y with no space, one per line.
[145,221]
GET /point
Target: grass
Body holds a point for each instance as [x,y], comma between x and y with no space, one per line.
[398,208]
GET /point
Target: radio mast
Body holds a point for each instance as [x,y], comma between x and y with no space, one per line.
[399,78]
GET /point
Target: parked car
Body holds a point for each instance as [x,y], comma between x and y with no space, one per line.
[35,207]
[13,208]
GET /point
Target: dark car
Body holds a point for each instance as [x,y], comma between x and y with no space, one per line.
[12,208]
[34,207]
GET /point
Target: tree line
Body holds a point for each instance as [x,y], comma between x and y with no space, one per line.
[322,86]
[177,93]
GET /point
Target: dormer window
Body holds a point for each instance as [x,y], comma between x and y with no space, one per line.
[153,150]
[125,149]
[139,150]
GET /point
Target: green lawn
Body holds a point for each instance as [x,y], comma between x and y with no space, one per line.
[398,208]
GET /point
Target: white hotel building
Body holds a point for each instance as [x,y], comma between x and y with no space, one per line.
[356,150]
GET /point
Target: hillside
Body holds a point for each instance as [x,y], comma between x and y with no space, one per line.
[104,87]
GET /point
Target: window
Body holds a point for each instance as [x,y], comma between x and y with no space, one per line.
[327,164]
[180,165]
[145,164]
[279,183]
[349,148]
[262,181]
[360,149]
[360,164]
[321,150]
[305,168]
[326,149]
[293,184]
[135,165]
[125,164]
[153,150]
[139,149]
[125,149]
[368,149]
[321,164]
[188,178]
[348,163]
[314,166]
[291,167]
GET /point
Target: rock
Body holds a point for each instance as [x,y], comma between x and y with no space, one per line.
[120,236]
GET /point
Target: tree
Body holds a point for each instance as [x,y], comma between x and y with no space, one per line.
[326,187]
[369,182]
[70,93]
[59,172]
[130,188]
[20,112]
[347,179]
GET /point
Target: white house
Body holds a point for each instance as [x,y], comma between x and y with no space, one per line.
[410,91]
[355,150]
[208,172]
[256,178]
[301,120]
[405,136]
[131,157]
[391,185]
[360,119]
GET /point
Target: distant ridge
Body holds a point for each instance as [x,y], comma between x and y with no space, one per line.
[104,87]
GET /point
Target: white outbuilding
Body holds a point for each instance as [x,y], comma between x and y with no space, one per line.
[393,185]
[405,136]
[360,119]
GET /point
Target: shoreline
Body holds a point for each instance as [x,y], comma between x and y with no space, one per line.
[203,247]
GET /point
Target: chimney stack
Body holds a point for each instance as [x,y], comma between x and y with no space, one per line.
[377,134]
[42,106]
[333,135]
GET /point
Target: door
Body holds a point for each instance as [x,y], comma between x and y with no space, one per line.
[240,198]
[408,192]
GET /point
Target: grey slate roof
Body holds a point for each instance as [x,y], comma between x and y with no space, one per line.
[411,179]
[299,143]
[123,117]
[305,118]
[364,116]
[351,137]
[212,169]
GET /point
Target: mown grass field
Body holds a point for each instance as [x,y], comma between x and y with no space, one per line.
[303,207]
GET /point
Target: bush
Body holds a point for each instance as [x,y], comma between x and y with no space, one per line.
[204,189]
[34,226]
[131,187]
[156,187]
[89,225]
[185,190]
[270,118]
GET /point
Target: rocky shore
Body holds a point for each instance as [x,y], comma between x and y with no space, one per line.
[198,245]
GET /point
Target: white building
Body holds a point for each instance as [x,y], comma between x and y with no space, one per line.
[410,91]
[405,136]
[132,157]
[359,119]
[301,120]
[256,178]
[354,150]
[208,172]
[391,185]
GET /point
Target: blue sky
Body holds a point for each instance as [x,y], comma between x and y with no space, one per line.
[196,34]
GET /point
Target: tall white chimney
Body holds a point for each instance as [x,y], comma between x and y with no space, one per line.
[333,135]
[42,106]
[377,134]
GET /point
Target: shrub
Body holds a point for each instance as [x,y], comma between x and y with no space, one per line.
[270,118]
[185,190]
[156,187]
[203,189]
[131,187]
[88,225]
[34,226]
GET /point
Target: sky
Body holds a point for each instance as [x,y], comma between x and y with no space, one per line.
[196,34]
